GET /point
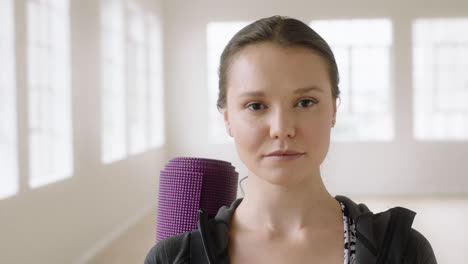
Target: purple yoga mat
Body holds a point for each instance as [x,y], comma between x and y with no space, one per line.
[187,184]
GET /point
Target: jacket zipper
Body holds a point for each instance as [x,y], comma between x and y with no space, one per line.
[201,227]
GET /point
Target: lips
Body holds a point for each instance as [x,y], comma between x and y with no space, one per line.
[286,152]
[285,157]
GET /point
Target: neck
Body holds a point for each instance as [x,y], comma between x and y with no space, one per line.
[278,210]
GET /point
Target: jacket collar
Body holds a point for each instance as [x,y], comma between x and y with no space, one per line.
[381,237]
[370,230]
[214,232]
[366,244]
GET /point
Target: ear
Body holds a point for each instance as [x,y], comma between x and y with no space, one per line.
[226,122]
[334,113]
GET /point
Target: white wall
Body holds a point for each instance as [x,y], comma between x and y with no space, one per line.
[69,221]
[429,178]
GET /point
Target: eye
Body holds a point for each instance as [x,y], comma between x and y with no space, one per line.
[306,103]
[254,106]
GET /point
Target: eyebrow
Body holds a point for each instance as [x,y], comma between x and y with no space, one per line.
[297,91]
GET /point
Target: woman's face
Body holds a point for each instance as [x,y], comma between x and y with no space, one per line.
[280,99]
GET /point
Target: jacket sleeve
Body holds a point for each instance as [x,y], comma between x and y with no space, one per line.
[419,250]
[171,250]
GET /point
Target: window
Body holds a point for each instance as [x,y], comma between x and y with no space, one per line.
[156,94]
[218,36]
[49,109]
[8,140]
[440,79]
[113,82]
[132,92]
[362,49]
[137,78]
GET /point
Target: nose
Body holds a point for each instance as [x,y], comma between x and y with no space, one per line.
[282,125]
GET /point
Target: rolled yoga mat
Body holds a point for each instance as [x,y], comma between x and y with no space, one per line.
[187,184]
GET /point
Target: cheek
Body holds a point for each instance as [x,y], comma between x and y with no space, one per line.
[323,122]
[247,136]
[321,128]
[317,135]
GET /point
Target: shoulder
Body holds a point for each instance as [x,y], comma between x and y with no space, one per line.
[418,249]
[389,231]
[174,249]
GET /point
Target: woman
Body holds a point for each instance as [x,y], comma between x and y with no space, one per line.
[278,90]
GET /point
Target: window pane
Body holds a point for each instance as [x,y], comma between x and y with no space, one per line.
[8,131]
[218,35]
[156,92]
[131,80]
[113,129]
[440,55]
[362,51]
[136,81]
[49,91]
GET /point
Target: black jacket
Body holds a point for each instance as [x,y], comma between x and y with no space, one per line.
[385,237]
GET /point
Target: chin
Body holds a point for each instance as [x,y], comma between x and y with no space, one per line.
[281,177]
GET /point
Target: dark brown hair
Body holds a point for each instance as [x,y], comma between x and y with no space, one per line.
[284,31]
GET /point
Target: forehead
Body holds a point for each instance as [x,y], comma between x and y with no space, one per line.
[271,68]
